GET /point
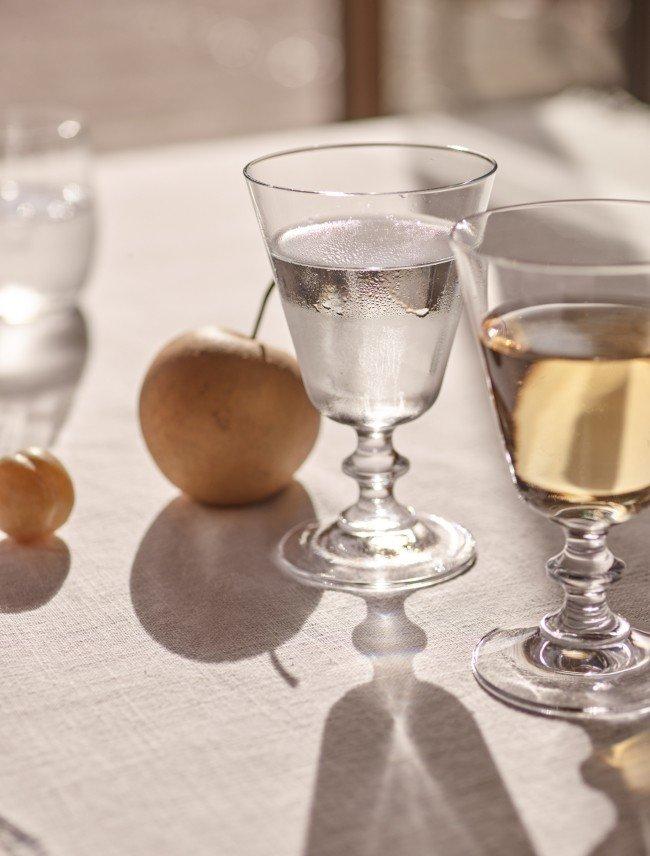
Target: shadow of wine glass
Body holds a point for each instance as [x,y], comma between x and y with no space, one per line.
[403,767]
[204,586]
[41,364]
[619,767]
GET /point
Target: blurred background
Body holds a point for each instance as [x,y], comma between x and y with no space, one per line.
[149,72]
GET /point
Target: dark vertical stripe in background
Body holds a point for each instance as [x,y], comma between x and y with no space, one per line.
[637,49]
[362,44]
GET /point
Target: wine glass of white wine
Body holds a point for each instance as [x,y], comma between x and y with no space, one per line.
[358,238]
[559,296]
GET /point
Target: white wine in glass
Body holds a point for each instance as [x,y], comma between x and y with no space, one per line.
[571,384]
[559,295]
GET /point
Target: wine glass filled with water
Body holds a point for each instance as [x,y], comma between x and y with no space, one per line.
[46,211]
[358,237]
[559,294]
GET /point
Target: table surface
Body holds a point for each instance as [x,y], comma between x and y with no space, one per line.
[165,691]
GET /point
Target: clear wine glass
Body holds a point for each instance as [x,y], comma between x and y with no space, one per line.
[358,238]
[559,295]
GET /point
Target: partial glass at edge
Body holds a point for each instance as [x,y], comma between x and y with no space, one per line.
[47,221]
[358,237]
[559,295]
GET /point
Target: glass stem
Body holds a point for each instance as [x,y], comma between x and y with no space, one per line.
[585,569]
[375,465]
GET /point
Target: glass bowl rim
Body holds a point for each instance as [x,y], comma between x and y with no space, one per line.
[606,268]
[360,193]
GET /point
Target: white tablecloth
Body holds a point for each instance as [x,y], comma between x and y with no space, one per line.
[170,694]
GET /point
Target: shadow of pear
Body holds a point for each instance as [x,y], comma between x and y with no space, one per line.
[31,574]
[204,584]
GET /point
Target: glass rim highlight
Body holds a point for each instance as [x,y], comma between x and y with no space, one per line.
[492,168]
[593,269]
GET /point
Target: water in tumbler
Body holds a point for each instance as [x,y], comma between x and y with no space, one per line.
[46,238]
[372,305]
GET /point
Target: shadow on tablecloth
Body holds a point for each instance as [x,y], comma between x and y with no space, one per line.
[619,766]
[31,574]
[403,766]
[204,586]
[41,364]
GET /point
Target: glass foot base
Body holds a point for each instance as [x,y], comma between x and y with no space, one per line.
[429,552]
[523,669]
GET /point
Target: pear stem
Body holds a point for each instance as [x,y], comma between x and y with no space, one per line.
[260,312]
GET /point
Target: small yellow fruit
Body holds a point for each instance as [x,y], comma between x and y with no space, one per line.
[36,494]
[226,418]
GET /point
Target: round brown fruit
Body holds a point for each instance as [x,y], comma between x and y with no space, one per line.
[36,494]
[226,419]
